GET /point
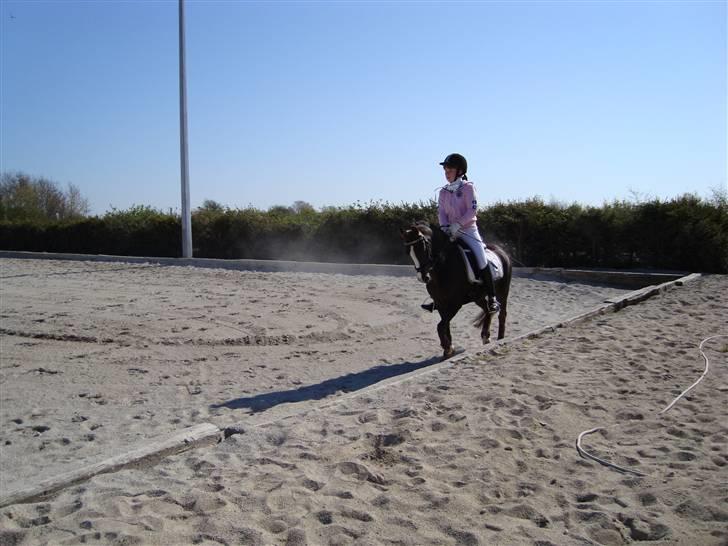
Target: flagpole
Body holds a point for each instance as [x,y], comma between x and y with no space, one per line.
[184,163]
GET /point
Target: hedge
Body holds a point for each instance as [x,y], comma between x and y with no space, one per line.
[684,233]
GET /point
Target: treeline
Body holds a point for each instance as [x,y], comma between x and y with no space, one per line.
[684,233]
[25,198]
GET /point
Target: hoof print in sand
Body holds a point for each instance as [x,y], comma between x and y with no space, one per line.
[359,472]
[644,529]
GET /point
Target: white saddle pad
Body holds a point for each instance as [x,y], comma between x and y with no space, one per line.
[491,256]
[497,264]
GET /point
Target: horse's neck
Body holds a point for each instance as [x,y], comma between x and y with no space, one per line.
[440,246]
[438,242]
[440,254]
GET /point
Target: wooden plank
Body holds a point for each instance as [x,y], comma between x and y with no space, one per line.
[203,434]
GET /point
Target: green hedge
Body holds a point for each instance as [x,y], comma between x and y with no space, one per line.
[685,233]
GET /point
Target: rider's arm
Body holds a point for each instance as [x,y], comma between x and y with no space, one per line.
[470,198]
[441,216]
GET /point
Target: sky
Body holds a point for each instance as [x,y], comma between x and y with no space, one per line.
[337,102]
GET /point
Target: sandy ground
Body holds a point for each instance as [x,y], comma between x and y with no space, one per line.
[98,356]
[478,453]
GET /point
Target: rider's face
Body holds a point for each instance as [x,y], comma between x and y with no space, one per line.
[451,174]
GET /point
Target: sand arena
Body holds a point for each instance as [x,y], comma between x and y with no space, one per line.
[98,357]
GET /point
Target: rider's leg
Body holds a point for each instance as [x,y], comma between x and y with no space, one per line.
[471,237]
[485,273]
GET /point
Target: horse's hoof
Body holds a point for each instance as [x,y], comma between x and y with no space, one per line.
[447,354]
[486,340]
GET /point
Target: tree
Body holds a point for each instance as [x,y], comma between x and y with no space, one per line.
[27,198]
[210,205]
[301,207]
[76,204]
[280,210]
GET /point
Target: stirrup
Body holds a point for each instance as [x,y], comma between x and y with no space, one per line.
[493,306]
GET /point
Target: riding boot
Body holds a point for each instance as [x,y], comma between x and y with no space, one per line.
[486,275]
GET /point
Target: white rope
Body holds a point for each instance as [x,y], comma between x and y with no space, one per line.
[707,367]
[585,454]
[588,455]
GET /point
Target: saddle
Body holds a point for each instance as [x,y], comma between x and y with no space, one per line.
[471,265]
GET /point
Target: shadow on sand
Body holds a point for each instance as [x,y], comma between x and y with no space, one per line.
[345,383]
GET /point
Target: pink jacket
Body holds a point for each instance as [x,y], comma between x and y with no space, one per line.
[460,206]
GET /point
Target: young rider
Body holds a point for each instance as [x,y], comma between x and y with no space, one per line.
[457,211]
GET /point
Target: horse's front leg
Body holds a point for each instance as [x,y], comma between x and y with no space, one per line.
[443,330]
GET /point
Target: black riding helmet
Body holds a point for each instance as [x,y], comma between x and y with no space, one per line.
[456,161]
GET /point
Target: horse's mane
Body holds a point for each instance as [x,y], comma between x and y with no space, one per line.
[423,227]
[439,240]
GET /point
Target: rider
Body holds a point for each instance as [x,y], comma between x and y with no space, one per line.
[457,211]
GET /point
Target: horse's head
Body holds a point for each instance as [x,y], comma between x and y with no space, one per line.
[418,245]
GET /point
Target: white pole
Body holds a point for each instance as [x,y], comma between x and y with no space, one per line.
[184,164]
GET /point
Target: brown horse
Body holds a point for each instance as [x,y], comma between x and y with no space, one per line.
[439,264]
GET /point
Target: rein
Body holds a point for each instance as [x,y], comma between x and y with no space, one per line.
[418,240]
[429,264]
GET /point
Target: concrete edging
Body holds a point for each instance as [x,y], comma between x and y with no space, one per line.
[196,436]
[631,279]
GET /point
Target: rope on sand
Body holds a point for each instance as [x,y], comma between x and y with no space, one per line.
[588,455]
[707,367]
[585,454]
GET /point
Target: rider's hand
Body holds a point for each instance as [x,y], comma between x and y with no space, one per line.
[454,229]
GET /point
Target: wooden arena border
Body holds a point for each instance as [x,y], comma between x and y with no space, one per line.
[207,433]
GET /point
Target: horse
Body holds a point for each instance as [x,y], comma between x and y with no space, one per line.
[439,264]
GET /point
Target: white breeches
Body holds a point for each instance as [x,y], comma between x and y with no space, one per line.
[471,237]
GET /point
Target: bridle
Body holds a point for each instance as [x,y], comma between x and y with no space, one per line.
[425,267]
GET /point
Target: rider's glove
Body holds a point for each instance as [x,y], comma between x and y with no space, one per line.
[454,229]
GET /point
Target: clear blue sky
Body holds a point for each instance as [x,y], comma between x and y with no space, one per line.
[336,102]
